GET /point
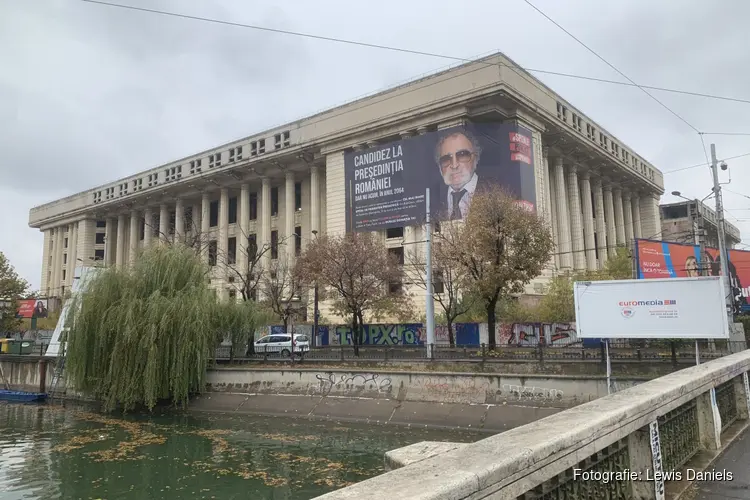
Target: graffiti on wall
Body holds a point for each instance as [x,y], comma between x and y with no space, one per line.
[532,334]
[329,381]
[387,334]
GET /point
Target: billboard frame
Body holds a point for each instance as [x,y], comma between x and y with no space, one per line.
[724,322]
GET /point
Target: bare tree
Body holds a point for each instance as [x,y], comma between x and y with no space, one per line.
[449,281]
[501,246]
[282,290]
[362,276]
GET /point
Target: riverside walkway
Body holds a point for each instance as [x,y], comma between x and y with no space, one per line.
[736,459]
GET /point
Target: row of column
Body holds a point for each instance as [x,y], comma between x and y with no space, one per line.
[582,227]
[64,247]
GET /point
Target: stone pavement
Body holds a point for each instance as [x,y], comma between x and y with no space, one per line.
[735,460]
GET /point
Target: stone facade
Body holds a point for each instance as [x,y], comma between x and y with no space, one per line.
[285,185]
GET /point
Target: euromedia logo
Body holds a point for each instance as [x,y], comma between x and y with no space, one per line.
[628,306]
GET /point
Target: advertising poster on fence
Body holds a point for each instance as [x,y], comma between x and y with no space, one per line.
[661,259]
[32,308]
[386,184]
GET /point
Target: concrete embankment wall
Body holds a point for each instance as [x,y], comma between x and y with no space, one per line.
[24,373]
[560,391]
[481,402]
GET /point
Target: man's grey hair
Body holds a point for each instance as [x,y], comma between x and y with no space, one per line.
[453,133]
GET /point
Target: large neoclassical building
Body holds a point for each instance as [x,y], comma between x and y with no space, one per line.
[283,186]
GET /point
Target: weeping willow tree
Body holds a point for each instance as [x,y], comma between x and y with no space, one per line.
[146,333]
[238,323]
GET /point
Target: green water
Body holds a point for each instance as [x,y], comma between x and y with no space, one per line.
[49,452]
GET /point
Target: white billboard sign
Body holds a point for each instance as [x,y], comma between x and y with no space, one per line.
[672,308]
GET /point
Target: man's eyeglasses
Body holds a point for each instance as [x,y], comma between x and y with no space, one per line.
[462,157]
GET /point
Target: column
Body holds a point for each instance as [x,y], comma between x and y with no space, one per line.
[551,209]
[86,236]
[163,223]
[70,270]
[58,259]
[179,221]
[242,257]
[563,224]
[709,423]
[133,240]
[656,215]
[148,226]
[195,225]
[588,222]
[46,253]
[636,203]
[109,241]
[205,220]
[601,224]
[609,216]
[265,217]
[627,210]
[222,254]
[120,252]
[314,198]
[289,216]
[619,218]
[576,226]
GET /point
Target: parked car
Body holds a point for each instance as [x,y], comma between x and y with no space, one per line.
[282,343]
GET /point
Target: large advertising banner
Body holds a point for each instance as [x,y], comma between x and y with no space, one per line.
[386,184]
[661,259]
[32,308]
[684,308]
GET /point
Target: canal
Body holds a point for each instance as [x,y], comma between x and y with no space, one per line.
[50,452]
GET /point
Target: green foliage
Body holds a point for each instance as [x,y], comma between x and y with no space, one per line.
[557,305]
[146,333]
[239,321]
[12,287]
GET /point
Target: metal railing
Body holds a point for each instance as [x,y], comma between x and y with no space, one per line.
[621,351]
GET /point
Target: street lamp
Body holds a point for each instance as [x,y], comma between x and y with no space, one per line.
[316,312]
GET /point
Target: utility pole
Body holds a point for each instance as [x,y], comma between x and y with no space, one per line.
[723,255]
[430,304]
[699,237]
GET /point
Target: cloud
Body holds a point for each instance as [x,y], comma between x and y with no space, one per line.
[89,93]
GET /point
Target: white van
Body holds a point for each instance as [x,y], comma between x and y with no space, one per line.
[282,343]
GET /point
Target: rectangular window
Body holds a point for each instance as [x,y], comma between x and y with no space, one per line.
[153,179]
[297,240]
[395,287]
[63,276]
[101,223]
[137,184]
[252,247]
[99,254]
[214,160]
[231,155]
[398,253]
[437,282]
[274,201]
[298,196]
[195,166]
[394,232]
[99,239]
[213,214]
[254,148]
[277,141]
[238,152]
[285,138]
[261,146]
[65,258]
[232,250]
[274,244]
[65,243]
[253,206]
[142,229]
[232,210]
[213,249]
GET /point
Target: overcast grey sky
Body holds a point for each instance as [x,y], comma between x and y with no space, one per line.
[89,93]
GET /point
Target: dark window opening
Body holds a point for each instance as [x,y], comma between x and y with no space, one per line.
[274,201]
[437,282]
[101,223]
[65,243]
[142,229]
[596,246]
[99,239]
[232,250]
[297,196]
[297,240]
[436,226]
[232,294]
[253,206]
[63,277]
[395,287]
[232,210]
[99,254]
[394,232]
[213,249]
[397,252]
[65,258]
[252,248]
[213,214]
[172,222]
[274,244]
[189,218]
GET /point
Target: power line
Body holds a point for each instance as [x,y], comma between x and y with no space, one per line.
[704,164]
[611,65]
[409,51]
[727,133]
